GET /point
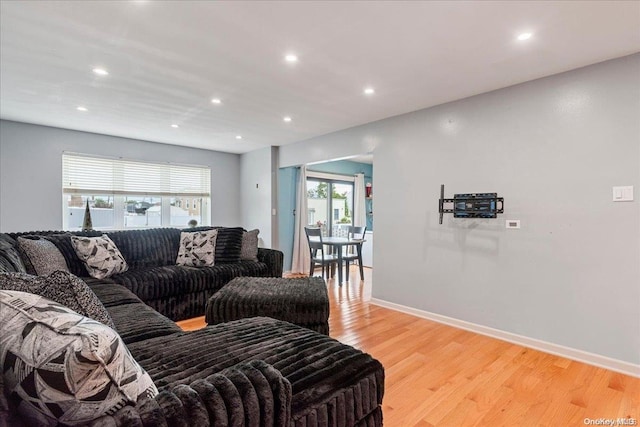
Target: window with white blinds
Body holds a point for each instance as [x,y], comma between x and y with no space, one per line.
[125,194]
[83,174]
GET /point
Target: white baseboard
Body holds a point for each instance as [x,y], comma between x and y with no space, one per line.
[547,347]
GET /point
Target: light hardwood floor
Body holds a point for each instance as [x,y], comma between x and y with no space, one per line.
[437,375]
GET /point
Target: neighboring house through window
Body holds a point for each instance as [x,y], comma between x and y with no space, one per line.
[133,194]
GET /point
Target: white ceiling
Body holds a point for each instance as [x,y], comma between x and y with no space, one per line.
[167,59]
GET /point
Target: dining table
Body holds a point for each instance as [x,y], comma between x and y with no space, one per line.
[338,243]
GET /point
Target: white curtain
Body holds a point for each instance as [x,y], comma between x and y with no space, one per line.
[359,208]
[301,261]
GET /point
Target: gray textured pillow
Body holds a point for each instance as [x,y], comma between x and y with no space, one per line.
[41,256]
[63,288]
[100,255]
[197,249]
[61,367]
[250,245]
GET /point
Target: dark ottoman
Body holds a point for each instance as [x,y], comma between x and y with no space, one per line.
[303,302]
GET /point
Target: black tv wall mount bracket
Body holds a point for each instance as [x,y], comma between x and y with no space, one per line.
[471,205]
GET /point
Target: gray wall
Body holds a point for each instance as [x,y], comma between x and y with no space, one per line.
[255,193]
[553,148]
[31,172]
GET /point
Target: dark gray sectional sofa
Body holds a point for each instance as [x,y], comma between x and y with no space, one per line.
[249,372]
[175,291]
[256,371]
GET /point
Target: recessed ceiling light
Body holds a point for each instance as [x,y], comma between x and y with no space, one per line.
[369,91]
[291,58]
[216,101]
[287,119]
[82,108]
[175,126]
[100,71]
[525,36]
[238,136]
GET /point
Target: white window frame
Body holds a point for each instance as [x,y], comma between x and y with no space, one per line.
[74,183]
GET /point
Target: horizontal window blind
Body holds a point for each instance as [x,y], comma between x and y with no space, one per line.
[83,174]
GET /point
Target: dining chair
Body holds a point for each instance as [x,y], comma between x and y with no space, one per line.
[318,254]
[355,233]
[340,230]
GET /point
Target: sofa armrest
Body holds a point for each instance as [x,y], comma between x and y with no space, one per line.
[274,259]
[247,394]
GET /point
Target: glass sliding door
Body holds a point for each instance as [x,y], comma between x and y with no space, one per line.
[342,208]
[317,204]
[330,205]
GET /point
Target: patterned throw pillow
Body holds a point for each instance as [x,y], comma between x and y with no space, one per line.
[100,255]
[64,245]
[61,367]
[250,245]
[63,288]
[197,249]
[41,256]
[10,260]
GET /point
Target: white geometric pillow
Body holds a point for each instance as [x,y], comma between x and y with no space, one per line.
[62,367]
[100,255]
[197,249]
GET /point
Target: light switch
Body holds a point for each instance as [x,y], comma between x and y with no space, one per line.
[617,194]
[623,193]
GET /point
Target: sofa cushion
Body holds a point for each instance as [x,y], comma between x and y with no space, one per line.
[330,380]
[59,366]
[63,288]
[41,257]
[249,249]
[247,394]
[100,256]
[112,294]
[197,249]
[175,280]
[139,322]
[134,320]
[10,260]
[148,248]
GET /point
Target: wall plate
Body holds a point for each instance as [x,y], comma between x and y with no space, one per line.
[512,223]
[623,194]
